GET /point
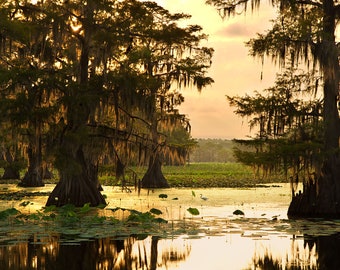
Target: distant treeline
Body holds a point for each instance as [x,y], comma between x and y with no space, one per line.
[213,150]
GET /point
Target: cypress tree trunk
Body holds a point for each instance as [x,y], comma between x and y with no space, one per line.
[77,190]
[10,173]
[46,173]
[154,177]
[321,198]
[12,170]
[77,166]
[78,184]
[33,176]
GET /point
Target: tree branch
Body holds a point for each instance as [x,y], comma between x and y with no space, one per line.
[309,2]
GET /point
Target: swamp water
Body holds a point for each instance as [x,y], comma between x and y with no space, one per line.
[215,239]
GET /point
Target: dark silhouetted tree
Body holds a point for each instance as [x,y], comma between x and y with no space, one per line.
[305,31]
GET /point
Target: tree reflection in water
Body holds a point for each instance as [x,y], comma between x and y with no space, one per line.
[318,252]
[53,252]
[153,252]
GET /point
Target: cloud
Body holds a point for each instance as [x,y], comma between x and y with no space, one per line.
[237,30]
[234,71]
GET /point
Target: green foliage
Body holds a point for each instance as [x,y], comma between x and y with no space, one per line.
[69,215]
[179,144]
[238,212]
[155,211]
[8,213]
[142,217]
[80,222]
[303,34]
[193,211]
[163,196]
[72,104]
[207,174]
[292,36]
[210,174]
[19,195]
[213,175]
[213,150]
[289,124]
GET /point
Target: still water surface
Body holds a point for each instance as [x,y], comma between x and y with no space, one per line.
[216,239]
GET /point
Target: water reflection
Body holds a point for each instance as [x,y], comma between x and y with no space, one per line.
[317,252]
[153,252]
[250,249]
[214,240]
[54,252]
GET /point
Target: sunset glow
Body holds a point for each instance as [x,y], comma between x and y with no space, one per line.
[234,71]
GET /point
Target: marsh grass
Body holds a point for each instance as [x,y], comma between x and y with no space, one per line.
[209,175]
[203,175]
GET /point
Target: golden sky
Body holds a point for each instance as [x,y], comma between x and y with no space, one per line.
[234,71]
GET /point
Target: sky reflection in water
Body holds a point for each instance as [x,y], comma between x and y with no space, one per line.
[217,239]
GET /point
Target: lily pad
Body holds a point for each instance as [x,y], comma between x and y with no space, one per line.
[238,212]
[163,196]
[193,211]
[155,211]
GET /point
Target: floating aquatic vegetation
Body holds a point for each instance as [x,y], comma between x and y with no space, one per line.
[163,196]
[193,211]
[238,212]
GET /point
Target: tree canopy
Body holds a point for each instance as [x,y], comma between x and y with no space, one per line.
[304,34]
[84,83]
[288,117]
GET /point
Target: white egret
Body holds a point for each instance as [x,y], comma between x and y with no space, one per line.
[203,197]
